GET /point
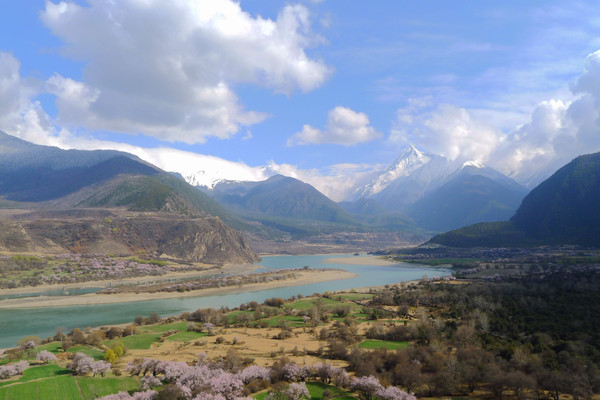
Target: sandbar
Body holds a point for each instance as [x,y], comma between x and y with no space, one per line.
[361,260]
[303,277]
[229,269]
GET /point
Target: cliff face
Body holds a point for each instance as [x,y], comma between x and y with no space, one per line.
[205,240]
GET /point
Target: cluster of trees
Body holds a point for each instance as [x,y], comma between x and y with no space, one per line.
[229,379]
[6,371]
[536,337]
[82,364]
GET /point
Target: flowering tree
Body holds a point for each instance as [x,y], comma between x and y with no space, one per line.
[341,378]
[172,370]
[46,357]
[366,386]
[296,391]
[291,372]
[150,381]
[100,367]
[326,372]
[394,393]
[253,372]
[209,396]
[81,364]
[29,345]
[7,371]
[208,327]
[147,395]
[226,384]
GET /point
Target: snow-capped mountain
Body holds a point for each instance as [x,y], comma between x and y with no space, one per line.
[415,174]
[407,163]
[412,174]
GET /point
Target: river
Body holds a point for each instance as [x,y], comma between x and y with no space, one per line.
[43,322]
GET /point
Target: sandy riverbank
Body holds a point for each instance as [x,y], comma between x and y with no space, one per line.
[229,269]
[305,277]
[360,260]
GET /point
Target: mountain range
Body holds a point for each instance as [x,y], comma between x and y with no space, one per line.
[418,192]
[561,210]
[57,200]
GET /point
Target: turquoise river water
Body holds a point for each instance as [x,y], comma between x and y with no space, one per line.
[17,323]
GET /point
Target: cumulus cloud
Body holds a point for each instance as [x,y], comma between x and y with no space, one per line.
[167,69]
[446,129]
[556,132]
[16,94]
[344,126]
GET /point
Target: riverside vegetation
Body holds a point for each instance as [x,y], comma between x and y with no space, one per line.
[528,335]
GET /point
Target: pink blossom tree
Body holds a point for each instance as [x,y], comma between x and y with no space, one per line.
[100,367]
[394,393]
[150,381]
[291,371]
[81,364]
[254,372]
[296,391]
[46,357]
[366,386]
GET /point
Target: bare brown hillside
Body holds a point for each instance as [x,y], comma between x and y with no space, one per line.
[119,232]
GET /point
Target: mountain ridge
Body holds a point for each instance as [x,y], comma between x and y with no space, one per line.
[560,210]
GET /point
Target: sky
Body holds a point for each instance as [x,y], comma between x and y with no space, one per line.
[326,91]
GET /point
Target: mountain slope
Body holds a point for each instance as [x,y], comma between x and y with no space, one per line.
[178,219]
[409,178]
[281,196]
[561,210]
[473,195]
[564,208]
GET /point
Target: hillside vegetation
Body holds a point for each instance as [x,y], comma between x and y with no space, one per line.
[561,210]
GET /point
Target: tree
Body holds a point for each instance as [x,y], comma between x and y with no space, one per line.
[366,386]
[110,356]
[254,372]
[81,364]
[394,393]
[100,367]
[46,357]
[296,391]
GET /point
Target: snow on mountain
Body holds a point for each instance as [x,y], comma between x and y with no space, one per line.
[472,163]
[415,174]
[408,162]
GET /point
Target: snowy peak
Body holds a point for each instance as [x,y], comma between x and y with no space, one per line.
[409,161]
[472,163]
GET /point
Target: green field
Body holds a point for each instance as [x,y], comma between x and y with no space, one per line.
[307,304]
[372,344]
[34,373]
[54,347]
[93,352]
[289,320]
[186,336]
[135,342]
[51,382]
[353,296]
[234,316]
[176,326]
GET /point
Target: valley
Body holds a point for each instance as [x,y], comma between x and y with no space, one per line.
[272,276]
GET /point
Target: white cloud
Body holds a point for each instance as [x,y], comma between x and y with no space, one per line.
[447,130]
[167,69]
[335,182]
[16,94]
[556,132]
[344,126]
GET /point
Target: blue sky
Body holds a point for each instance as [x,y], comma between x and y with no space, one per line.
[327,91]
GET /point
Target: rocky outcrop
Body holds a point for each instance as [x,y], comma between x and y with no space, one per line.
[207,240]
[158,235]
